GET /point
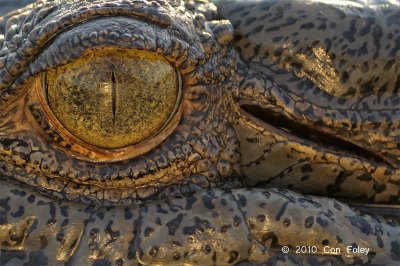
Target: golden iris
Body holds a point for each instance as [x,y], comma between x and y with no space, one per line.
[112,98]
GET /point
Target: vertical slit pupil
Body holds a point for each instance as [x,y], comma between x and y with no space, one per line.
[114,91]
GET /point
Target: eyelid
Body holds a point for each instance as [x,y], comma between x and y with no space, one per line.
[136,34]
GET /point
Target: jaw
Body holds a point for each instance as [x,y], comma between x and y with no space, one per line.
[285,144]
[206,227]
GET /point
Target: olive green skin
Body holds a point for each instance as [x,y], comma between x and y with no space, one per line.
[215,191]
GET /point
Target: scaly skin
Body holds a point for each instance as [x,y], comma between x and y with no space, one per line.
[189,200]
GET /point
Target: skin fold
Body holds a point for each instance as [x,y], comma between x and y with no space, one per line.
[277,100]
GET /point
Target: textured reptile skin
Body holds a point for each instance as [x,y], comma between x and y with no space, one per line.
[279,100]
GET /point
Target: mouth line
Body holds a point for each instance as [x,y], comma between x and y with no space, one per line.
[309,136]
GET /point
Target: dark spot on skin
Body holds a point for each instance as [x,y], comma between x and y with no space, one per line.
[207,202]
[337,205]
[233,255]
[367,87]
[345,76]
[237,37]
[273,28]
[31,199]
[93,232]
[365,67]
[395,250]
[225,228]
[64,211]
[60,236]
[367,27]
[199,224]
[249,21]
[100,215]
[325,242]
[389,64]
[52,214]
[176,244]
[350,92]
[153,251]
[306,168]
[342,176]
[131,250]
[5,208]
[160,209]
[207,249]
[242,200]
[281,211]
[258,47]
[365,177]
[297,66]
[277,39]
[18,192]
[113,234]
[379,241]
[322,26]
[349,34]
[252,140]
[339,239]
[363,225]
[245,13]
[304,178]
[237,221]
[322,222]
[19,212]
[148,231]
[65,223]
[174,224]
[278,52]
[363,50]
[185,254]
[397,85]
[158,221]
[377,34]
[261,217]
[309,222]
[127,214]
[177,256]
[190,200]
[395,48]
[119,262]
[286,222]
[307,26]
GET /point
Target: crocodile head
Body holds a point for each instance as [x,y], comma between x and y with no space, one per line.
[250,102]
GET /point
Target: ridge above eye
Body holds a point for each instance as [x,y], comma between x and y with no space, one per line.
[112,98]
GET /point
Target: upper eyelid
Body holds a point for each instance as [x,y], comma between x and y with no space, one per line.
[17,57]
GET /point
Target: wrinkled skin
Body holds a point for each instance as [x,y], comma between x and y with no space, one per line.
[276,96]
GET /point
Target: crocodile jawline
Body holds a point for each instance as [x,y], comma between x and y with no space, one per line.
[310,136]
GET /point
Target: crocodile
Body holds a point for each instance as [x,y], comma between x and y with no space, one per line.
[279,144]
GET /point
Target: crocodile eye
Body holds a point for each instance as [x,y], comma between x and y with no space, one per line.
[112,98]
